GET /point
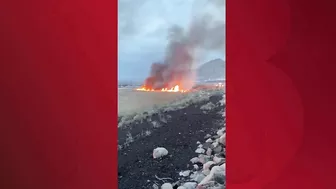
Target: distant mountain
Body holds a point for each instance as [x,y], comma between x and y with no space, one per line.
[212,70]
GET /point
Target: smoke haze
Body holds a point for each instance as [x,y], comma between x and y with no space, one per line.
[205,33]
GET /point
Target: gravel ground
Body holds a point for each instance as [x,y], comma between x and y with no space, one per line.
[178,128]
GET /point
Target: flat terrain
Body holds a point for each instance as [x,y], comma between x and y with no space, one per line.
[130,100]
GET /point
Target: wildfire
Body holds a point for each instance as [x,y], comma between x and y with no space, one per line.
[173,89]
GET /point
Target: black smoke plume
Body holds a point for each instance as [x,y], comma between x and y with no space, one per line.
[205,33]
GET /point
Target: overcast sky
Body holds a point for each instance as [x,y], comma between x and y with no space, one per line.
[143,26]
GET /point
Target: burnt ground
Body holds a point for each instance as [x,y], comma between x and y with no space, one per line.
[176,130]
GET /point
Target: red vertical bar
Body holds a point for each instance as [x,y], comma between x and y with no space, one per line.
[59,100]
[280,94]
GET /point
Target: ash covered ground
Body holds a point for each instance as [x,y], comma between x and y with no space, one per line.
[191,129]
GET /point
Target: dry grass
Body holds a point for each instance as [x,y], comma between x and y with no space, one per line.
[179,103]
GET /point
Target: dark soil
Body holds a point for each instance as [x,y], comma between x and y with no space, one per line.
[136,166]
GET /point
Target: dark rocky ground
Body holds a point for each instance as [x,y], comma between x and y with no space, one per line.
[177,130]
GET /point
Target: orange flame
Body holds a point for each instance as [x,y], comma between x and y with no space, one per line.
[173,89]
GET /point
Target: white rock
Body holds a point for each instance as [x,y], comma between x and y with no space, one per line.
[215,144]
[208,152]
[218,169]
[200,150]
[167,186]
[221,131]
[194,160]
[210,176]
[203,158]
[218,187]
[185,173]
[222,139]
[197,176]
[193,175]
[200,146]
[196,166]
[181,187]
[206,180]
[217,159]
[190,185]
[208,164]
[198,142]
[207,136]
[209,140]
[159,152]
[206,167]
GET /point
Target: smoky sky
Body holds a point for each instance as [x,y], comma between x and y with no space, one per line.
[145,26]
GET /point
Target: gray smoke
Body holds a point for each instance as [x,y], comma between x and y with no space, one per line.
[205,33]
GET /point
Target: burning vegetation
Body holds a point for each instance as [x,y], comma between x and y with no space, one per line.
[176,72]
[173,89]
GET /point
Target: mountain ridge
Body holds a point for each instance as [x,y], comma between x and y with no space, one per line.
[211,70]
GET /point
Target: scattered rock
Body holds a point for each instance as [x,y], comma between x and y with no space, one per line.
[185,173]
[206,167]
[219,177]
[167,186]
[207,145]
[222,139]
[210,176]
[200,151]
[218,149]
[181,187]
[215,144]
[217,159]
[203,158]
[159,152]
[200,187]
[190,185]
[208,152]
[197,176]
[221,131]
[195,160]
[221,154]
[207,136]
[220,186]
[209,140]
